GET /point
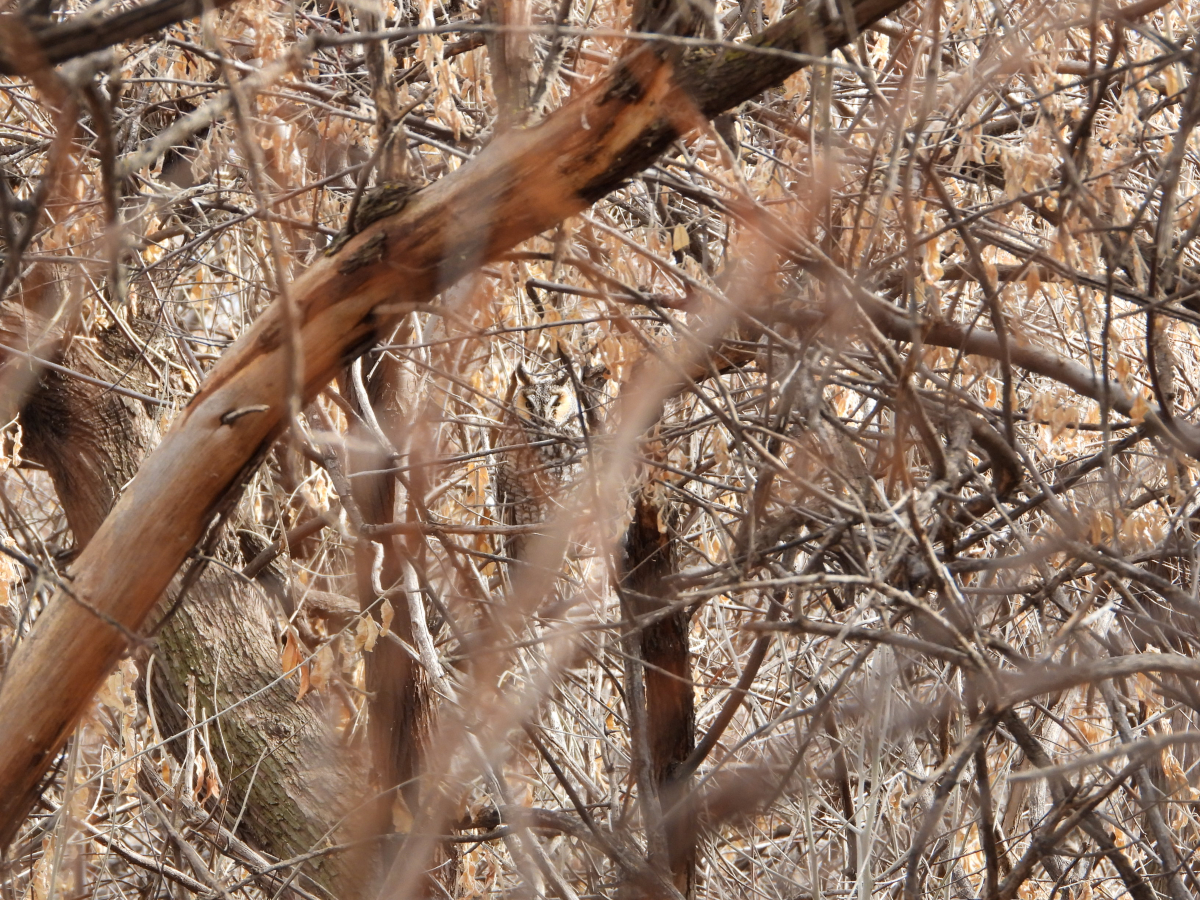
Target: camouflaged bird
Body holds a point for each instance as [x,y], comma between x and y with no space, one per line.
[543,432]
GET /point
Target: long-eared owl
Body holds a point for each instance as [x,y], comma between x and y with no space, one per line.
[543,432]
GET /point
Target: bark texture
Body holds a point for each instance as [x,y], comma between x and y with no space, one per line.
[82,34]
[399,703]
[650,556]
[283,775]
[510,52]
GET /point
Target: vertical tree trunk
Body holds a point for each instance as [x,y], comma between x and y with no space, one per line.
[650,556]
[398,687]
[285,780]
[510,54]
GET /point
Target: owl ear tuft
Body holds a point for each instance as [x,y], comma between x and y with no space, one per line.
[523,374]
[562,377]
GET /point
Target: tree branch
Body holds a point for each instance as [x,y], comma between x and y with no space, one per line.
[84,34]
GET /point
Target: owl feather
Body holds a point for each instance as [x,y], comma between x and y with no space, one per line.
[543,433]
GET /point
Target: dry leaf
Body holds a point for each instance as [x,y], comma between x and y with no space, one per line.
[366,633]
[305,682]
[402,817]
[322,667]
[291,649]
[1140,407]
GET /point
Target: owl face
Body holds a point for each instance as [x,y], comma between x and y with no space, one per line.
[545,403]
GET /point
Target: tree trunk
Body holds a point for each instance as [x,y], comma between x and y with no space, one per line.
[399,703]
[650,556]
[284,778]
